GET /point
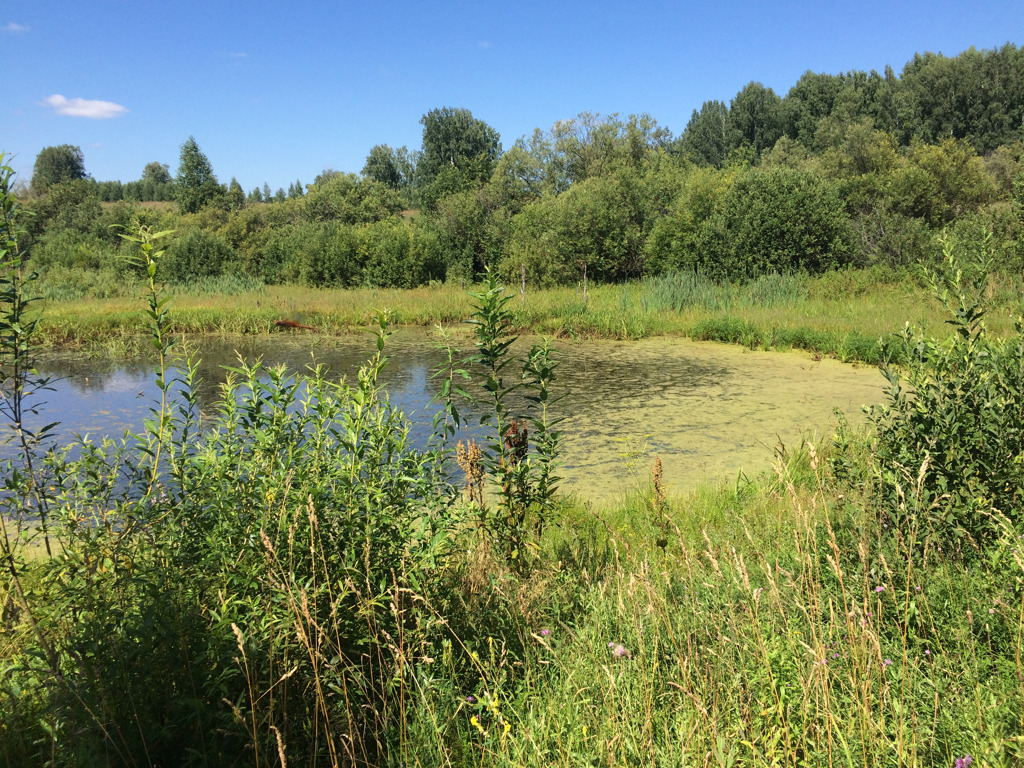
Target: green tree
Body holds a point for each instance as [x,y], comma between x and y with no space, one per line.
[236,195]
[976,96]
[942,182]
[158,173]
[196,185]
[678,239]
[518,179]
[196,253]
[591,145]
[807,102]
[453,138]
[709,135]
[110,191]
[55,165]
[595,229]
[73,205]
[756,117]
[382,167]
[464,228]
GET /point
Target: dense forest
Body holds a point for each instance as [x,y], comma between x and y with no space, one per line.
[852,169]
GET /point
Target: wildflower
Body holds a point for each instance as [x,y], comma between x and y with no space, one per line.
[545,632]
[611,645]
[887,662]
[471,699]
[835,655]
[963,762]
[619,651]
[476,724]
[880,588]
[927,652]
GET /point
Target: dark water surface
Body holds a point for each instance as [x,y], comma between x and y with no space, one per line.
[707,410]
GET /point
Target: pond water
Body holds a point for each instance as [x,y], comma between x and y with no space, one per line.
[707,410]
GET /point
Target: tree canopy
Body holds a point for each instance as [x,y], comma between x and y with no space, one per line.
[55,165]
[453,138]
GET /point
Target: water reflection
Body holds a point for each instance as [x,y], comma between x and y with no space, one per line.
[707,410]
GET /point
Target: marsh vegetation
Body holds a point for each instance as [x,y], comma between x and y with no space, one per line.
[292,581]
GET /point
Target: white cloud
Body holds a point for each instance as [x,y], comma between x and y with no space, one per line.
[99,110]
[14,28]
[484,44]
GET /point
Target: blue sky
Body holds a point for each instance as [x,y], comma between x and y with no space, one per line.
[275,92]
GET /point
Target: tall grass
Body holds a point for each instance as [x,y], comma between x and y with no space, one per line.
[839,314]
[683,290]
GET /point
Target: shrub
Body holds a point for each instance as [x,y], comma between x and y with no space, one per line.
[197,253]
[780,220]
[950,454]
[321,254]
[386,250]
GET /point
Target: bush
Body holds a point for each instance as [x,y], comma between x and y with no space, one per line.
[779,220]
[950,455]
[318,254]
[72,249]
[386,250]
[197,253]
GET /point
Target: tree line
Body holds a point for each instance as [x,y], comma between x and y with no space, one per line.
[854,169]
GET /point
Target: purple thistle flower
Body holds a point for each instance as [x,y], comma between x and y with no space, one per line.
[471,699]
[963,762]
[887,662]
[879,588]
[619,651]
[545,632]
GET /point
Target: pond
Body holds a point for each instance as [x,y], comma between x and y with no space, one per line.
[708,410]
